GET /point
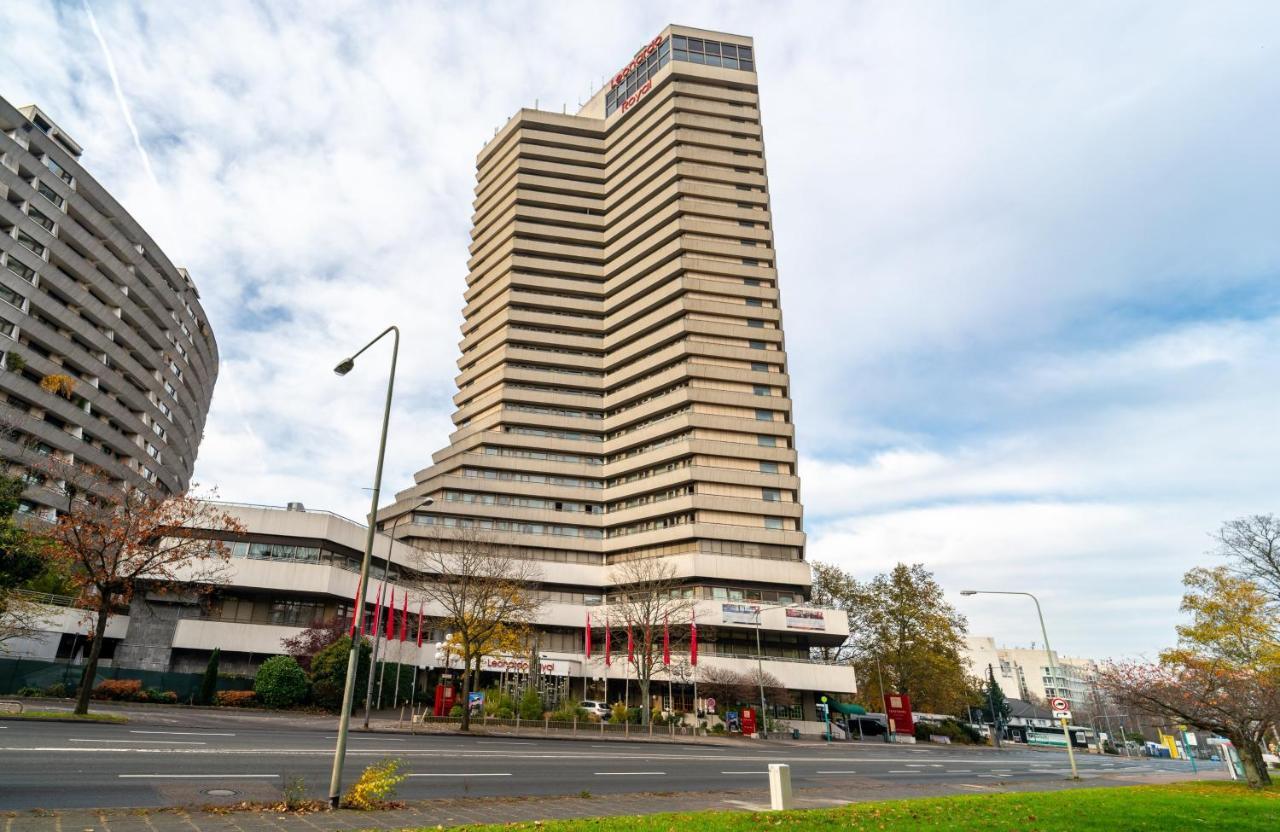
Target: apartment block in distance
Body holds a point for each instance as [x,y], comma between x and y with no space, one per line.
[108,359]
[623,389]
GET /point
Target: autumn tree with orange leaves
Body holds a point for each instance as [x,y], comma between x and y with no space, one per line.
[1224,675]
[117,539]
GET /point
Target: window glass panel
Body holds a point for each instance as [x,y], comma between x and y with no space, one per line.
[695,44]
[680,41]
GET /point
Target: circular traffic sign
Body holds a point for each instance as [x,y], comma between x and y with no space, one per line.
[711,703]
[1059,704]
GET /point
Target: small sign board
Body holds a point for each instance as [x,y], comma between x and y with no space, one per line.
[710,703]
[1060,708]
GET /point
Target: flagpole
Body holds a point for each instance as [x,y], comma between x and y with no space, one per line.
[382,668]
[404,629]
[417,656]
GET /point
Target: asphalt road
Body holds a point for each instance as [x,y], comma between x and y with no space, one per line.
[82,765]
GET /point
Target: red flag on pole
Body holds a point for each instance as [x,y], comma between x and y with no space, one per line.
[588,640]
[666,642]
[377,612]
[357,611]
[693,641]
[419,623]
[404,618]
[631,647]
[608,654]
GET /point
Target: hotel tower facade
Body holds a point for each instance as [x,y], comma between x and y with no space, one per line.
[623,388]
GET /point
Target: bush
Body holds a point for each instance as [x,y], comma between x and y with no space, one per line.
[118,690]
[329,674]
[281,682]
[950,728]
[57,690]
[29,691]
[531,705]
[618,713]
[568,711]
[237,698]
[499,704]
[376,784]
[718,729]
[456,712]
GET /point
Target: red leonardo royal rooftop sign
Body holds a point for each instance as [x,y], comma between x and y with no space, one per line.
[645,51]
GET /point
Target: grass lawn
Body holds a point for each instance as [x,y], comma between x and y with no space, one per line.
[1208,805]
[66,716]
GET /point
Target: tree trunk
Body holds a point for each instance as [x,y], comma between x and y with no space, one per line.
[466,694]
[1255,768]
[91,666]
[644,701]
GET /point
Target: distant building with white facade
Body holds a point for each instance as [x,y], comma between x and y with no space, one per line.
[1023,672]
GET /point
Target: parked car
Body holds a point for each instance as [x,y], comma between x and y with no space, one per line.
[596,708]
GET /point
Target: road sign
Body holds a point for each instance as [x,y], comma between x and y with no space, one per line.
[711,703]
[1060,708]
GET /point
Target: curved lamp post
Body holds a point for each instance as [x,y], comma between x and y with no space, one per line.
[348,691]
[1053,669]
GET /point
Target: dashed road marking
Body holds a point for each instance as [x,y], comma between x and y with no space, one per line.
[464,775]
[189,733]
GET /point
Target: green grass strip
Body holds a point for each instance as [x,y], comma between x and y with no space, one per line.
[1200,806]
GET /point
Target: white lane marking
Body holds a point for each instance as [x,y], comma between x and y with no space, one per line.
[147,742]
[744,772]
[503,742]
[959,771]
[466,775]
[902,771]
[184,733]
[628,773]
[194,776]
[915,765]
[820,771]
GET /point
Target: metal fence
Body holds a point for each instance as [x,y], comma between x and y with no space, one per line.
[16,674]
[549,727]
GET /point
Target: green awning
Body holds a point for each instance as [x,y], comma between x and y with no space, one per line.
[841,708]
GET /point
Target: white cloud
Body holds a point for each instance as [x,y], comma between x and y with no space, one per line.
[1027,254]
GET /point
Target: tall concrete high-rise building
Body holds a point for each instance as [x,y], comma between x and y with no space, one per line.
[623,389]
[106,356]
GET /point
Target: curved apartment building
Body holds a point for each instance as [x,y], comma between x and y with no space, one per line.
[108,358]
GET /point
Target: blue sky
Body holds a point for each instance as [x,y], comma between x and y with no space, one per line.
[1029,254]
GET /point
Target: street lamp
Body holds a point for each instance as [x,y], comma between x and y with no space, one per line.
[1053,671]
[386,566]
[764,720]
[348,691]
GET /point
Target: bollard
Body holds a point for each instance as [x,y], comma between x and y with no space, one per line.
[779,786]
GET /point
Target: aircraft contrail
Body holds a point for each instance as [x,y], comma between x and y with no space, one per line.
[124,107]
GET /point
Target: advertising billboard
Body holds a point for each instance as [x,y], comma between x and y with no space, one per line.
[806,620]
[739,613]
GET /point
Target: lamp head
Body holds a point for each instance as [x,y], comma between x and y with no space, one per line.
[968,592]
[345,366]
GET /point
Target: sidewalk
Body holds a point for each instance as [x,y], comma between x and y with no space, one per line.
[459,812]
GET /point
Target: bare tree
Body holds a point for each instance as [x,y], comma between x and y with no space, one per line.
[726,686]
[484,591]
[117,538]
[1253,544]
[653,604]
